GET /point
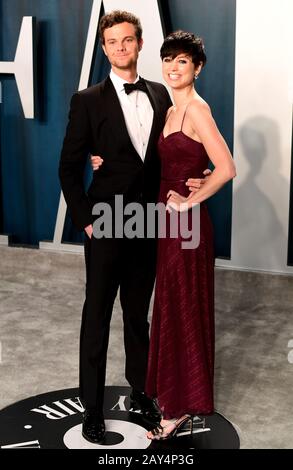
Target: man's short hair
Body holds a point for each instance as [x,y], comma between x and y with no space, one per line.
[117,17]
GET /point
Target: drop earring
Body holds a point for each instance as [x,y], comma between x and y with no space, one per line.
[195,77]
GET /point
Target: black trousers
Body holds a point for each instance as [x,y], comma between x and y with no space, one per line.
[111,263]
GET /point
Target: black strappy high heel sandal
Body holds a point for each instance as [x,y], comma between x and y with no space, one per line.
[161,432]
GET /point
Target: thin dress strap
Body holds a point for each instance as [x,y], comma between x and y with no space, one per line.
[183,118]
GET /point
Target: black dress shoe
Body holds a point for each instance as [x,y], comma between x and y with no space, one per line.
[93,426]
[147,406]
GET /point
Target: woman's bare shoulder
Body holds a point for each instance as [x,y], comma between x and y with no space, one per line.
[198,106]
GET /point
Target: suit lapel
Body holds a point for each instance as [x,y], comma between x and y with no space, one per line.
[156,121]
[115,114]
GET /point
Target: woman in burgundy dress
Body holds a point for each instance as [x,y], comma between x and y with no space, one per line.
[181,355]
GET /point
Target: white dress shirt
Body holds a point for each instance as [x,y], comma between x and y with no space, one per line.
[138,114]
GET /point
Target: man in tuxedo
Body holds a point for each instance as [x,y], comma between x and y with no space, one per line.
[123,125]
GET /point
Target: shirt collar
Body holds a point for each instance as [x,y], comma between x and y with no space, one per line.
[118,82]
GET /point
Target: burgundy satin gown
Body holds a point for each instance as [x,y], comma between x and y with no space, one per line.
[181,355]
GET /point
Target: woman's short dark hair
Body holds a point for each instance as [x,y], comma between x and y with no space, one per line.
[117,17]
[182,42]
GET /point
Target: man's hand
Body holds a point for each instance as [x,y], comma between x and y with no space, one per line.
[96,162]
[194,184]
[176,202]
[89,231]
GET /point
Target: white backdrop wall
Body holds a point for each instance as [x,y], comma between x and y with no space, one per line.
[262,136]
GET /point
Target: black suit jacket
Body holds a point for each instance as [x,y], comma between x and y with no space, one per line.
[97,126]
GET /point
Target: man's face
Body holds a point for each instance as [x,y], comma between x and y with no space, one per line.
[121,46]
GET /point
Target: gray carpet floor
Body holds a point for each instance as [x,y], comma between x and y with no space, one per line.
[41,297]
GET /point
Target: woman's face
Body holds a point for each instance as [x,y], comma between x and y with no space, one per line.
[179,72]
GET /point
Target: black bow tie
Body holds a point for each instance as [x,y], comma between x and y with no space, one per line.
[140,85]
